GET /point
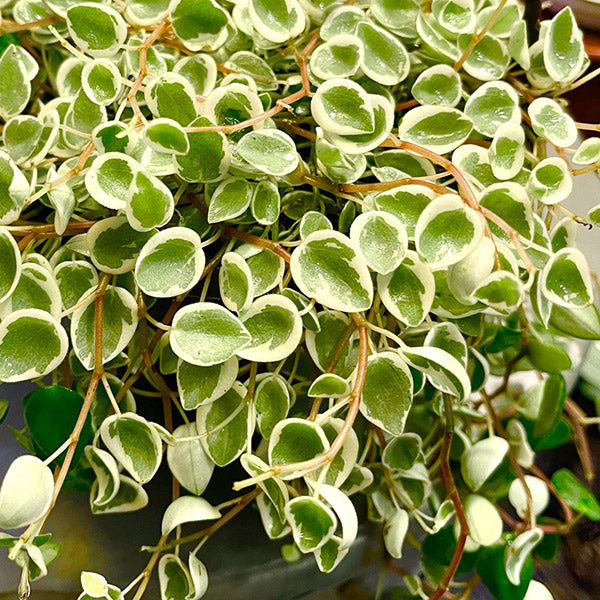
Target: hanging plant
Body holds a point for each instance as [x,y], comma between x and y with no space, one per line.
[330,238]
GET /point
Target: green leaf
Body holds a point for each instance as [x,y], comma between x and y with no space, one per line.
[322,342]
[490,567]
[225,425]
[385,58]
[135,443]
[447,231]
[74,278]
[266,267]
[10,259]
[275,329]
[120,323]
[546,353]
[272,401]
[231,199]
[518,44]
[32,344]
[501,290]
[382,240]
[455,16]
[493,104]
[448,337]
[408,291]
[201,71]
[327,266]
[114,245]
[170,263]
[387,392]
[312,522]
[342,20]
[206,334]
[343,107]
[564,52]
[50,415]
[335,164]
[187,509]
[270,151]
[3,410]
[266,203]
[26,492]
[439,129]
[439,85]
[402,452]
[199,24]
[254,66]
[166,135]
[277,20]
[36,288]
[97,29]
[575,494]
[202,385]
[550,121]
[208,156]
[340,57]
[566,280]
[15,93]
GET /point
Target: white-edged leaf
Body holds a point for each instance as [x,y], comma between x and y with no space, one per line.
[343,107]
[408,291]
[201,385]
[566,279]
[275,328]
[26,492]
[519,551]
[394,533]
[187,509]
[312,522]
[170,263]
[120,323]
[381,238]
[540,496]
[387,392]
[271,151]
[206,334]
[437,128]
[32,344]
[564,52]
[550,121]
[483,519]
[107,474]
[481,459]
[188,461]
[447,231]
[328,267]
[443,371]
[134,442]
[493,104]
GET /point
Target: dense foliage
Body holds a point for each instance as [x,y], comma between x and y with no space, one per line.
[329,237]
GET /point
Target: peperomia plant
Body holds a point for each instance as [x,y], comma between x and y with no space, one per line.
[329,237]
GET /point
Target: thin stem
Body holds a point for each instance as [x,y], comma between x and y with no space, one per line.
[453,492]
[577,418]
[354,400]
